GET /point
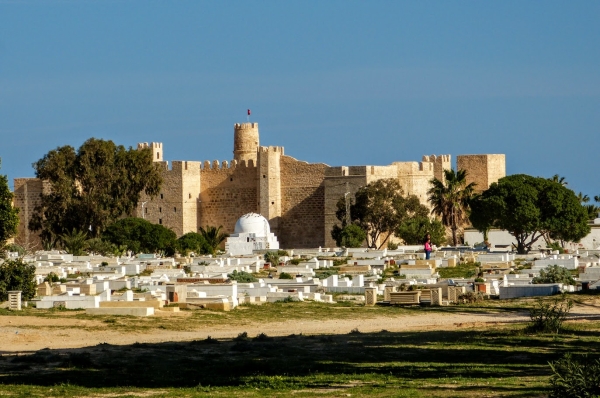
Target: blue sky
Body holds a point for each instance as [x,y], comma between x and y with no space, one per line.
[339,82]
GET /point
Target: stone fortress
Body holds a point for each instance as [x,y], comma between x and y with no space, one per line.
[297,198]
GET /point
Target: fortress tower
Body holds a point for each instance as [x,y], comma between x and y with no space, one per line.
[483,170]
[155,147]
[245,141]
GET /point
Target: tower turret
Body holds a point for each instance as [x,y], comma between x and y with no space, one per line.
[245,141]
[155,147]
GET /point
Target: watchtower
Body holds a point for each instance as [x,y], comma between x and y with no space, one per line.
[155,147]
[245,141]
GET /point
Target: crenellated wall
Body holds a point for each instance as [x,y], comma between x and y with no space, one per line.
[227,191]
[176,206]
[298,198]
[302,203]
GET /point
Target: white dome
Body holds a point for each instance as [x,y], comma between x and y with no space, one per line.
[252,223]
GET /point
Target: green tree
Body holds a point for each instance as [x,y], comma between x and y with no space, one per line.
[530,208]
[141,236]
[450,199]
[378,208]
[561,180]
[272,258]
[592,211]
[352,236]
[93,186]
[9,215]
[17,275]
[554,274]
[413,231]
[74,242]
[193,242]
[213,236]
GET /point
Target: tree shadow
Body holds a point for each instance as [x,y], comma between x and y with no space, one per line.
[237,362]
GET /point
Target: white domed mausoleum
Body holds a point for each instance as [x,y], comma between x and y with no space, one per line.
[251,232]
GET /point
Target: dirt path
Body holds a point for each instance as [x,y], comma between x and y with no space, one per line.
[30,333]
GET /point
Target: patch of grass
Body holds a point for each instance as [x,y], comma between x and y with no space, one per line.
[500,362]
[464,270]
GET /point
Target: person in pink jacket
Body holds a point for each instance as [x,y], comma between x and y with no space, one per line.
[427,246]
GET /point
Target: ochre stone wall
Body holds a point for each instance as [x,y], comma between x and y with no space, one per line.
[414,178]
[166,207]
[27,195]
[298,198]
[302,204]
[483,170]
[269,185]
[338,181]
[227,193]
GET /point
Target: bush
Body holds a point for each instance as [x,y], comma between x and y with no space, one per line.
[575,378]
[272,258]
[392,246]
[547,316]
[193,242]
[242,277]
[285,275]
[17,275]
[554,274]
[471,297]
[51,277]
[141,236]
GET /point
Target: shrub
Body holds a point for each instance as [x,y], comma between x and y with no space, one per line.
[575,378]
[242,277]
[288,299]
[554,274]
[471,297]
[17,275]
[392,246]
[241,336]
[51,277]
[324,274]
[547,316]
[285,275]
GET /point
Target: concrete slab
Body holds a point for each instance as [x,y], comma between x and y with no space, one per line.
[132,311]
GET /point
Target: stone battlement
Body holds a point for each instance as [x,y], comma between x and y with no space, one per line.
[265,149]
[434,158]
[245,126]
[218,165]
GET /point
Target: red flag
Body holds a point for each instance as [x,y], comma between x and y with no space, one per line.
[248,112]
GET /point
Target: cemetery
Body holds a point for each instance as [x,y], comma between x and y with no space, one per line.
[249,326]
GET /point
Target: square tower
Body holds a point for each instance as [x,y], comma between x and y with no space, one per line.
[483,170]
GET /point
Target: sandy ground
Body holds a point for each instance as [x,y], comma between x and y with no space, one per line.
[30,333]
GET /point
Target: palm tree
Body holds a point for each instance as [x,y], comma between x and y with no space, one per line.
[74,242]
[450,199]
[561,180]
[583,198]
[213,236]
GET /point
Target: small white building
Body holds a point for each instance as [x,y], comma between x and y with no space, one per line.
[252,232]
